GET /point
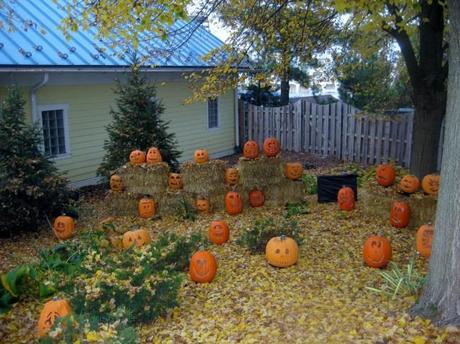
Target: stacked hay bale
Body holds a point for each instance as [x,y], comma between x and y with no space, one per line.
[121,203]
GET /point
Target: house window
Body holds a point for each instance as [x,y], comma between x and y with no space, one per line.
[55,130]
[213,113]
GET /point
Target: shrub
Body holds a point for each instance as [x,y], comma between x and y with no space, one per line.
[310,184]
[293,209]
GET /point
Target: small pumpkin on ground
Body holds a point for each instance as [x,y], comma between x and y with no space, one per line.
[154,156]
[400,214]
[424,239]
[175,181]
[147,208]
[293,170]
[52,310]
[251,150]
[139,238]
[430,184]
[64,227]
[116,184]
[377,251]
[409,184]
[203,267]
[282,251]
[137,157]
[218,232]
[272,147]
[232,176]
[256,198]
[202,205]
[233,203]
[385,174]
[201,156]
[346,198]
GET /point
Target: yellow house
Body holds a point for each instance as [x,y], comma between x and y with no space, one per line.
[68,86]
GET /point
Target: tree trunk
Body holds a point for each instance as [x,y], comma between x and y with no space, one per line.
[440,299]
[284,98]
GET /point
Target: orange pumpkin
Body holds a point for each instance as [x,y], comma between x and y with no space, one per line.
[293,170]
[423,239]
[175,181]
[409,184]
[233,203]
[202,205]
[137,157]
[251,150]
[201,156]
[232,176]
[203,267]
[377,251]
[146,208]
[138,238]
[385,174]
[64,227]
[116,183]
[400,214]
[430,184]
[154,156]
[271,147]
[256,198]
[346,198]
[282,251]
[52,310]
[218,232]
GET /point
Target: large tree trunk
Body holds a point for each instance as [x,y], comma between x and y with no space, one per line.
[284,99]
[440,299]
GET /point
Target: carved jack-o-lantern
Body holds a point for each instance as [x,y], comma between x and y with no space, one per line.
[64,227]
[175,181]
[138,238]
[424,239]
[400,214]
[377,251]
[203,267]
[251,150]
[202,205]
[218,232]
[385,174]
[409,184]
[293,170]
[232,176]
[201,156]
[346,199]
[137,157]
[146,208]
[116,183]
[52,310]
[281,251]
[271,147]
[154,156]
[233,203]
[430,184]
[256,198]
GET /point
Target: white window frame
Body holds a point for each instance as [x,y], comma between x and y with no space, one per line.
[65,117]
[218,114]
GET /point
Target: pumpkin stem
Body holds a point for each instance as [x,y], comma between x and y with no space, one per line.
[282,237]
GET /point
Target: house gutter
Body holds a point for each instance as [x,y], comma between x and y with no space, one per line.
[33,97]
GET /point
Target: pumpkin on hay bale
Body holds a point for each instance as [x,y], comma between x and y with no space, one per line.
[263,171]
[145,178]
[203,178]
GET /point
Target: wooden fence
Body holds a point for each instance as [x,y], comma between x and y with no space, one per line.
[337,129]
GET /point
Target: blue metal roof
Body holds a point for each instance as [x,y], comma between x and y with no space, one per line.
[37,42]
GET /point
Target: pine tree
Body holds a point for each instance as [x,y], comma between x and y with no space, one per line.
[31,188]
[137,124]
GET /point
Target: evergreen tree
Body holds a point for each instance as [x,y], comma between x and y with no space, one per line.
[30,186]
[137,124]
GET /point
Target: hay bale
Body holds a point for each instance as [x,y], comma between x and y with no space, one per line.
[261,172]
[170,203]
[287,191]
[145,178]
[121,203]
[203,178]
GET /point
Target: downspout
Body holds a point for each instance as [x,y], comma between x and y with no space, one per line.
[237,121]
[33,98]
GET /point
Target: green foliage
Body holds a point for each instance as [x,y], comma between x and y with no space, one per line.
[310,184]
[293,209]
[255,239]
[30,186]
[400,282]
[137,124]
[188,211]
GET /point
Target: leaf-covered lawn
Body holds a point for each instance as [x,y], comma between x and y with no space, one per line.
[322,299]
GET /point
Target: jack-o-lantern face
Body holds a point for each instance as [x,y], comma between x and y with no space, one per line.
[64,227]
[115,183]
[154,156]
[346,199]
[293,170]
[400,214]
[424,238]
[377,251]
[137,157]
[218,232]
[202,205]
[256,198]
[52,310]
[203,267]
[232,176]
[409,184]
[201,156]
[281,251]
[271,147]
[430,184]
[251,150]
[146,208]
[175,181]
[385,175]
[233,203]
[137,238]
